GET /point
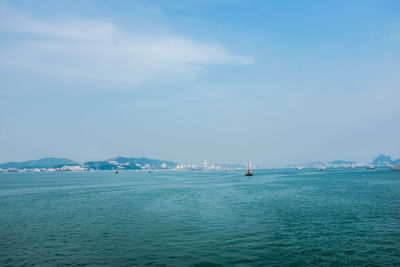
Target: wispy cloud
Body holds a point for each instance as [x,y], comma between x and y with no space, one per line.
[102,51]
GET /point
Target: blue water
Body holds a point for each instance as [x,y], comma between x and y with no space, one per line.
[284,217]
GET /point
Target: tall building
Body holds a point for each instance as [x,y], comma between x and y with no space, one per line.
[205,163]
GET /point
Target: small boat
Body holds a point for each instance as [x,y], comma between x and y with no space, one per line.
[116,172]
[322,168]
[396,168]
[299,167]
[249,172]
[370,167]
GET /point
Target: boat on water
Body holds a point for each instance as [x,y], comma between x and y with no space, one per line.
[370,167]
[116,172]
[322,168]
[249,172]
[396,168]
[299,167]
[351,166]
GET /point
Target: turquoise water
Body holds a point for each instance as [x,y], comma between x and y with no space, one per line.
[286,217]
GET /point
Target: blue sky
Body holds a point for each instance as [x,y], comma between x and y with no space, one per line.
[270,82]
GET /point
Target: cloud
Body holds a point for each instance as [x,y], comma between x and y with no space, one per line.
[100,51]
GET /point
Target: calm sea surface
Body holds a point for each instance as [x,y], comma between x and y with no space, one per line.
[286,217]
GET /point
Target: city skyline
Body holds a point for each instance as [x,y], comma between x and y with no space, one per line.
[228,81]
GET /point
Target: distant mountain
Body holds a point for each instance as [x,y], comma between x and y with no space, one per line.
[40,163]
[130,164]
[119,163]
[157,163]
[385,160]
[101,165]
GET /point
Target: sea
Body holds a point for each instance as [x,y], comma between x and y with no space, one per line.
[288,217]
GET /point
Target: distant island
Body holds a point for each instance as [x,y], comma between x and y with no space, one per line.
[123,163]
[381,160]
[385,161]
[62,164]
[115,164]
[41,163]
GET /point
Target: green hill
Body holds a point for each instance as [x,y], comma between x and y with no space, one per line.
[385,160]
[40,163]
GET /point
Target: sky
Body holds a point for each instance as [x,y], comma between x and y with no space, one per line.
[268,82]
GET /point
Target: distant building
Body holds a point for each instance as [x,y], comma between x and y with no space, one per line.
[205,164]
[73,168]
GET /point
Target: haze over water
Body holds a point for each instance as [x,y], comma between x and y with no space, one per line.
[172,218]
[269,82]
